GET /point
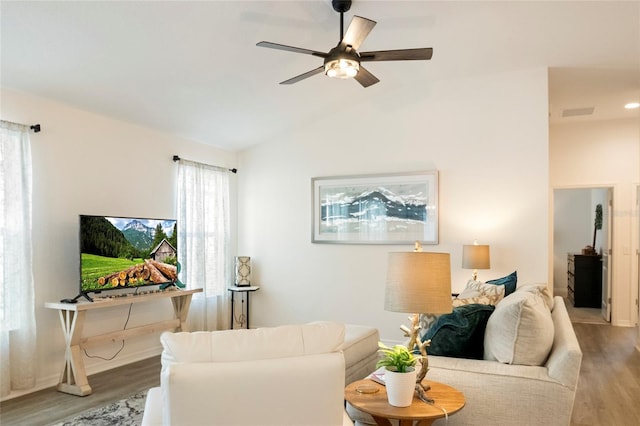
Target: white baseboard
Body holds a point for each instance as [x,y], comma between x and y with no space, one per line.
[622,324]
[51,380]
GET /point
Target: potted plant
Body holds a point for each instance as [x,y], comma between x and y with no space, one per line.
[400,373]
[591,250]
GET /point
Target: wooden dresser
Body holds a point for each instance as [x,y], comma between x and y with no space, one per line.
[584,280]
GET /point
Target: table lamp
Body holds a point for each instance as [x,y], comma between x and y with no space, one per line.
[418,282]
[475,256]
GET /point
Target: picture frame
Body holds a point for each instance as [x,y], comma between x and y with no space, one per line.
[399,208]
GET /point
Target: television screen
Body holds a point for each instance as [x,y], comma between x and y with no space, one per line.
[123,252]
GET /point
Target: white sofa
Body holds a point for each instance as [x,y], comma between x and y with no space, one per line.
[288,375]
[360,349]
[502,394]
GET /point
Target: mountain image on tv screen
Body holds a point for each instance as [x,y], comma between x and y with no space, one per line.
[119,252]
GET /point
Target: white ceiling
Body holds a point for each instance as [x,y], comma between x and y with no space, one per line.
[192,68]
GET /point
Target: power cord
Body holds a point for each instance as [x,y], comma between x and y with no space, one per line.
[429,401]
[446,415]
[121,347]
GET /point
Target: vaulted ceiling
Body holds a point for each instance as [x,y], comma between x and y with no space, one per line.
[192,68]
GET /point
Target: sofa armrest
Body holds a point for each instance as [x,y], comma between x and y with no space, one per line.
[501,394]
[566,356]
[306,387]
[152,415]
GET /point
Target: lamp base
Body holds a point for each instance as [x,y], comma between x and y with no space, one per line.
[414,341]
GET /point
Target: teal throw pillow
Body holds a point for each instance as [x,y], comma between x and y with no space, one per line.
[509,282]
[460,334]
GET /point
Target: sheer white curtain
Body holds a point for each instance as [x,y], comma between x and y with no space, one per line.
[203,241]
[17,316]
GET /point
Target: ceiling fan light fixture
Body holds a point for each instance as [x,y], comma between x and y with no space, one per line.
[342,68]
[343,60]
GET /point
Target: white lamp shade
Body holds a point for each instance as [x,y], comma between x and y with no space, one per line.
[475,256]
[418,282]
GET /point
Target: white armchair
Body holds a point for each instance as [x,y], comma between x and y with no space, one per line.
[288,375]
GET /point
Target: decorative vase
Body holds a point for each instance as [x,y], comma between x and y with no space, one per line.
[400,387]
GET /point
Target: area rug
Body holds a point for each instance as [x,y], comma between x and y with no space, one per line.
[126,412]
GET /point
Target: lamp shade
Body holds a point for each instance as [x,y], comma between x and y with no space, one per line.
[475,256]
[418,282]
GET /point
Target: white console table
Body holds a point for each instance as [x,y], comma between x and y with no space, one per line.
[73,378]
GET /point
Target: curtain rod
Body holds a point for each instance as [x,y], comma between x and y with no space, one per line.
[35,127]
[177,158]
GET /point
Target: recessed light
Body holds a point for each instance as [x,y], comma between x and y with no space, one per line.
[632,105]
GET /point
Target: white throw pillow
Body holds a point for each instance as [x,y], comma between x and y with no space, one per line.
[520,330]
[542,290]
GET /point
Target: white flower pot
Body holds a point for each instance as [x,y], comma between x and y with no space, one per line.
[400,387]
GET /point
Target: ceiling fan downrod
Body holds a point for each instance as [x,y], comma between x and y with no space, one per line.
[341,6]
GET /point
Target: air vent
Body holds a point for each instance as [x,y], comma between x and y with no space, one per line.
[575,112]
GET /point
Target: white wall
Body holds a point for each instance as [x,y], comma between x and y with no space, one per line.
[488,138]
[85,163]
[605,153]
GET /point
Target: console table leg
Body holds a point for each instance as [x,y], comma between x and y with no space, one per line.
[248,310]
[73,378]
[233,302]
[181,306]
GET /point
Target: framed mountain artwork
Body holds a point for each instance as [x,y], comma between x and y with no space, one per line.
[375,209]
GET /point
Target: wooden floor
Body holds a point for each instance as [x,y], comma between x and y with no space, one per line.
[584,315]
[609,388]
[608,393]
[50,406]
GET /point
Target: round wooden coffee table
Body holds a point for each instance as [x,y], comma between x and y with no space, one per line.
[446,399]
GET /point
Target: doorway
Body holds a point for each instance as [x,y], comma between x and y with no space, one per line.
[582,218]
[637,266]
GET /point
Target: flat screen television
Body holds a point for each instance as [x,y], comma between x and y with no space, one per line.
[126,252]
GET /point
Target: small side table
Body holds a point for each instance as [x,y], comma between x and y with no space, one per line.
[241,289]
[376,404]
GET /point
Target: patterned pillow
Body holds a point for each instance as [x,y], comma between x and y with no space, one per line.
[426,321]
[481,300]
[476,290]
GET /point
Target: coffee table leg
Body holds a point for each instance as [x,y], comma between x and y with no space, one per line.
[428,422]
[381,421]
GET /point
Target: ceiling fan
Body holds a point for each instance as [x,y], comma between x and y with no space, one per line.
[344,60]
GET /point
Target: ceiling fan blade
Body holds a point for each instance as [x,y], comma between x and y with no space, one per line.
[365,78]
[358,30]
[290,48]
[305,75]
[397,55]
